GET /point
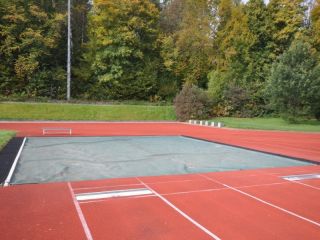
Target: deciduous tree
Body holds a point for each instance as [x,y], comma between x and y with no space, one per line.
[122,48]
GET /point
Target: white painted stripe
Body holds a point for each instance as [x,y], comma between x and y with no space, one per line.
[307,185]
[112,194]
[182,213]
[190,192]
[135,184]
[302,177]
[80,214]
[264,202]
[14,165]
[107,186]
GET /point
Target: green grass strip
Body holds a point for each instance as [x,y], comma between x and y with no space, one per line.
[270,124]
[5,137]
[53,111]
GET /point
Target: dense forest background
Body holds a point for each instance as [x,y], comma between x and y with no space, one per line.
[249,58]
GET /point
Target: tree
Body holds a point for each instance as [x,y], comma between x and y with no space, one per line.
[171,16]
[187,46]
[224,12]
[29,45]
[286,20]
[122,50]
[234,72]
[294,85]
[315,24]
[259,57]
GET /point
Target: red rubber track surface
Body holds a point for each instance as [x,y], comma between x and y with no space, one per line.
[294,144]
[251,204]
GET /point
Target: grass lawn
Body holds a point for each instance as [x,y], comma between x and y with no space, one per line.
[129,112]
[270,124]
[53,111]
[5,136]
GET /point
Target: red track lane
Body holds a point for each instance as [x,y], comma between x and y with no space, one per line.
[184,187]
[234,216]
[291,170]
[294,144]
[138,219]
[261,176]
[171,178]
[105,183]
[293,197]
[223,211]
[312,182]
[35,212]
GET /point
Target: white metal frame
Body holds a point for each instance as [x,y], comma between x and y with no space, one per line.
[53,131]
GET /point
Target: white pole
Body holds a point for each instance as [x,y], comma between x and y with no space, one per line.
[69,52]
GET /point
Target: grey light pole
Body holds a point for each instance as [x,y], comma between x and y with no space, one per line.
[69,52]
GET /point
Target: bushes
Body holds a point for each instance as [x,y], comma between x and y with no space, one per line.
[192,103]
[294,83]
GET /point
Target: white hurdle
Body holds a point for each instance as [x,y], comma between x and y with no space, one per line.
[56,131]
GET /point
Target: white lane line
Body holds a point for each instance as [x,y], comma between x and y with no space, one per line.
[220,189]
[80,214]
[14,165]
[264,202]
[135,184]
[190,192]
[182,213]
[107,186]
[112,194]
[304,184]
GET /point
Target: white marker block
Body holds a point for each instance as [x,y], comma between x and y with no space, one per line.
[206,123]
[220,125]
[201,122]
[212,124]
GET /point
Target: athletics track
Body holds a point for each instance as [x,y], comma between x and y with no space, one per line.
[250,204]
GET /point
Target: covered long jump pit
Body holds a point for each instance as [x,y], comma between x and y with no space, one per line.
[59,159]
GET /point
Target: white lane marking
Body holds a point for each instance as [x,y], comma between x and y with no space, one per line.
[112,194]
[302,177]
[195,191]
[307,185]
[80,214]
[109,186]
[135,184]
[181,212]
[264,202]
[13,167]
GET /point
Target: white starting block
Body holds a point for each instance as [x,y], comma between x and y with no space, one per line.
[56,131]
